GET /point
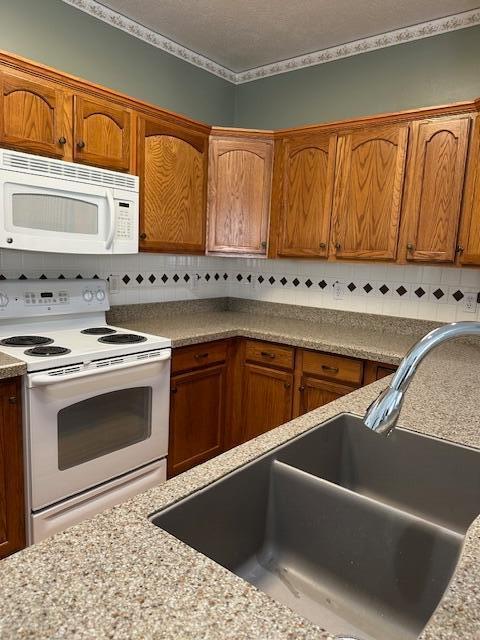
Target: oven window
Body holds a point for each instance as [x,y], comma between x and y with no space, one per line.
[103,424]
[54,213]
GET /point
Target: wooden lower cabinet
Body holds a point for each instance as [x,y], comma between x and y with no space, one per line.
[196,417]
[267,399]
[376,371]
[12,504]
[314,393]
[227,392]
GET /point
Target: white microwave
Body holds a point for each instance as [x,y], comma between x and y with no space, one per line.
[63,207]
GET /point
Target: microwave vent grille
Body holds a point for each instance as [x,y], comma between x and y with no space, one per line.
[67,170]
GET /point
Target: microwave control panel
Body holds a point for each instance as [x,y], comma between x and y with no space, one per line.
[23,298]
[125,227]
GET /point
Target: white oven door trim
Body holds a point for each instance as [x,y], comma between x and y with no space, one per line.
[44,399]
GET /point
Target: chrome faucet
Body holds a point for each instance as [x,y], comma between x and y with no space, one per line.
[382,415]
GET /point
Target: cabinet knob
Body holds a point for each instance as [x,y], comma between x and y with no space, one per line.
[287,385]
[143,236]
[302,388]
[174,390]
[323,245]
[263,244]
[12,400]
[460,248]
[338,246]
[410,247]
[80,144]
[62,140]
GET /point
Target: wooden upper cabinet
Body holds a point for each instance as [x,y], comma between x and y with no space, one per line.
[370,167]
[469,238]
[32,117]
[434,189]
[302,195]
[172,164]
[102,133]
[239,186]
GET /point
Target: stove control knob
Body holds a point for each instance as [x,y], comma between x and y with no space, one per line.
[87,295]
[100,295]
[3,299]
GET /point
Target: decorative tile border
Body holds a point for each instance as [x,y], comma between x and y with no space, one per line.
[192,279]
[380,41]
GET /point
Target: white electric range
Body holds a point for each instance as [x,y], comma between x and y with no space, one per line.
[95,401]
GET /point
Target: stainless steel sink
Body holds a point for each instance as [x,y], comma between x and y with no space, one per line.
[358,533]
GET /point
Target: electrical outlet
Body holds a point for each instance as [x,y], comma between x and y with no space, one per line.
[470,303]
[114,282]
[339,290]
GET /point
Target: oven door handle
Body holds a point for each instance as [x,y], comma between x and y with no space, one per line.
[45,379]
[111,208]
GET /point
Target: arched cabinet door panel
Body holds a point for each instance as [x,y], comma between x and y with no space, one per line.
[468,248]
[32,117]
[434,189]
[102,134]
[239,185]
[369,174]
[304,198]
[172,164]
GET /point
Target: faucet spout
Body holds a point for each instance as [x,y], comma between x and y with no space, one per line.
[382,415]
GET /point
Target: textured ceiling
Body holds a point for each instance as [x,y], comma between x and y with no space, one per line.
[244,34]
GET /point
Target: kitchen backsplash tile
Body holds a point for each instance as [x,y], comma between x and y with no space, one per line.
[430,293]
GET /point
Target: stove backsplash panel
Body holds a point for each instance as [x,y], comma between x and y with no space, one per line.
[431,293]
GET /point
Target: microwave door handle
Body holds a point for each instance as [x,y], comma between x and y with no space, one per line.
[111,230]
[44,380]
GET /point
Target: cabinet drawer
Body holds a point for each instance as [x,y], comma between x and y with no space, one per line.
[333,367]
[199,355]
[269,354]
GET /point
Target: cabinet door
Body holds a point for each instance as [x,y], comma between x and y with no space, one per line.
[434,190]
[12,504]
[304,197]
[376,371]
[469,239]
[102,134]
[32,117]
[196,418]
[370,166]
[267,399]
[316,393]
[239,185]
[172,163]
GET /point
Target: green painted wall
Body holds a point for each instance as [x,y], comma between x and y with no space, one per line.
[63,37]
[436,70]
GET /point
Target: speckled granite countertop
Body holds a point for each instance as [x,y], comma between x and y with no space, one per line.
[11,367]
[119,576]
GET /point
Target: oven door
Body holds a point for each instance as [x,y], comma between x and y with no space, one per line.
[41,213]
[88,427]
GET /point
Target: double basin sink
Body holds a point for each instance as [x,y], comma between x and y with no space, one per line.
[356,532]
